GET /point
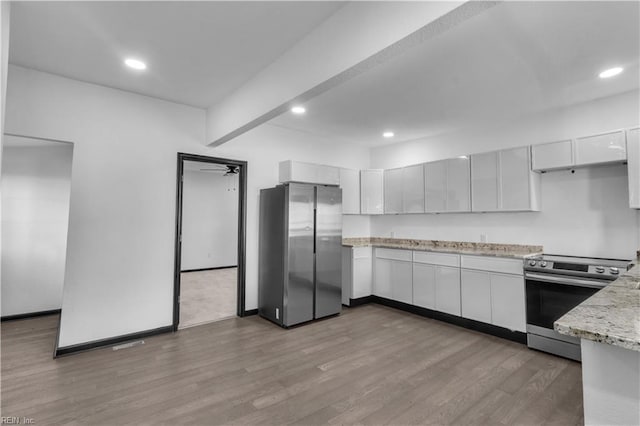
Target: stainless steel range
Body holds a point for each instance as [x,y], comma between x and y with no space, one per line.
[554,286]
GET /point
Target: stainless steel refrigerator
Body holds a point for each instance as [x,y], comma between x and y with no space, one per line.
[300,262]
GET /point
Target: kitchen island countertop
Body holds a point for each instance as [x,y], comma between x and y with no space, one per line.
[611,316]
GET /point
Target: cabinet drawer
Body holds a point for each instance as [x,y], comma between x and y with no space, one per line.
[393,254]
[493,264]
[445,259]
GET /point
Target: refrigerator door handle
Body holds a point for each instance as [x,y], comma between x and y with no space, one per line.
[315,227]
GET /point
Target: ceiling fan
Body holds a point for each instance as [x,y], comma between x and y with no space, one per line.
[227,169]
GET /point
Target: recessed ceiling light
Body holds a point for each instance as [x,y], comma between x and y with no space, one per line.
[298,110]
[611,72]
[136,64]
[463,157]
[388,134]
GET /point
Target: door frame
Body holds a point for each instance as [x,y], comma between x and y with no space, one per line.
[242,225]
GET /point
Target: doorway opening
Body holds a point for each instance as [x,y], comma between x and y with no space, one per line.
[36,191]
[209,274]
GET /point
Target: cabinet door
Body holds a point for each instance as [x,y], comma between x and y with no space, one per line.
[435,183]
[393,191]
[362,271]
[413,189]
[371,191]
[514,179]
[448,290]
[633,165]
[554,155]
[475,295]
[458,185]
[402,281]
[350,184]
[508,302]
[382,278]
[484,182]
[609,147]
[424,285]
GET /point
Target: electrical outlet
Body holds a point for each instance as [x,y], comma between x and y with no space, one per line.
[393,234]
[483,238]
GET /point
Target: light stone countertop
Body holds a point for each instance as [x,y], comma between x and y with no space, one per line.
[456,247]
[611,316]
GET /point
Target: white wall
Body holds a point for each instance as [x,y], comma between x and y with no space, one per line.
[36,181]
[119,272]
[209,220]
[5,15]
[585,213]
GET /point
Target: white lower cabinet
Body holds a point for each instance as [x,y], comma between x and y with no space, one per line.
[448,290]
[382,278]
[424,285]
[508,308]
[357,269]
[475,288]
[436,281]
[494,293]
[482,288]
[437,287]
[393,275]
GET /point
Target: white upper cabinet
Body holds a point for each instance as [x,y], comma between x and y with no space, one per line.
[604,148]
[371,191]
[350,184]
[584,151]
[458,185]
[413,189]
[503,181]
[554,155]
[484,182]
[518,189]
[633,164]
[297,171]
[435,177]
[447,185]
[393,184]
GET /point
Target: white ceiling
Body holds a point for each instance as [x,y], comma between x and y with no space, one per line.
[514,59]
[196,52]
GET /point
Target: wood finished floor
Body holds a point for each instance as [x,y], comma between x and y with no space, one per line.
[371,365]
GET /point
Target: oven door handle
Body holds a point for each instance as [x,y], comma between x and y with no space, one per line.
[564,280]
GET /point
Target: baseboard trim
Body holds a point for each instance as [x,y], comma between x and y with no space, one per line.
[250,312]
[29,315]
[209,269]
[97,344]
[360,301]
[504,333]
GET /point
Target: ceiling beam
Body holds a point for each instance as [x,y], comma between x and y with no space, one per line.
[356,38]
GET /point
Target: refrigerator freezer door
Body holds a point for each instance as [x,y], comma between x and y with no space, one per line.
[328,298]
[298,296]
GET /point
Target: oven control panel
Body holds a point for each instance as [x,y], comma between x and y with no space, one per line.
[603,268]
